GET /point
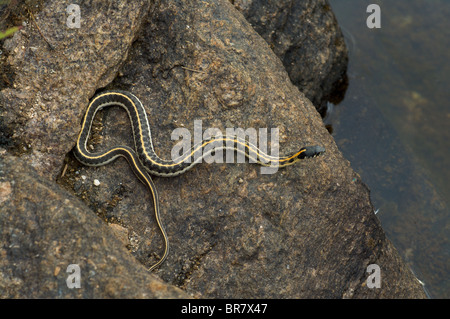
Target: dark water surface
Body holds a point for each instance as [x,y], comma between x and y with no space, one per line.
[393,125]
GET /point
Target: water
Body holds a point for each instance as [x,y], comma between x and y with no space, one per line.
[393,125]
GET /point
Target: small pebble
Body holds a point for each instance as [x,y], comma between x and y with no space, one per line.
[96,182]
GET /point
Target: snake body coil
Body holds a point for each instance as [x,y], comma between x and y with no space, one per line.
[144,161]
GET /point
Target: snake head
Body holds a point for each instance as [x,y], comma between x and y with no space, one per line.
[310,151]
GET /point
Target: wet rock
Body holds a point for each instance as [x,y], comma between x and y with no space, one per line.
[306,231]
[307,39]
[44,229]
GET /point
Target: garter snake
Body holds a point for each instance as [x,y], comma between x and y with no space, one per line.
[144,161]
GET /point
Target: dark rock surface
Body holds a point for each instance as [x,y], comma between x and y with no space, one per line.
[57,68]
[306,231]
[44,229]
[307,39]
